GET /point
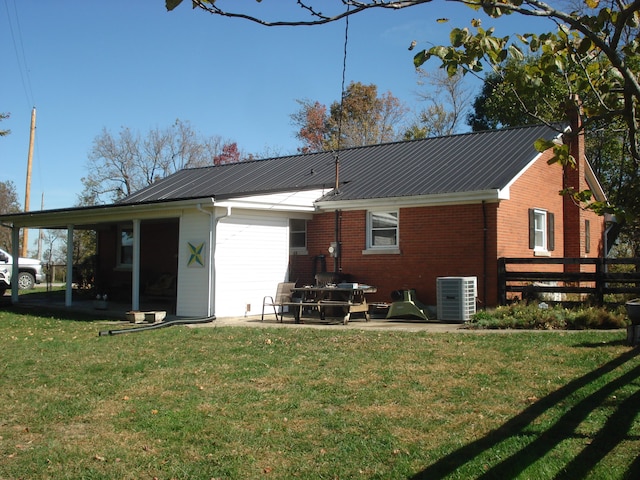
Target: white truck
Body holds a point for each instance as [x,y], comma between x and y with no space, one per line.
[29,272]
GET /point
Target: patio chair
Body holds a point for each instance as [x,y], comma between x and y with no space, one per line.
[280,300]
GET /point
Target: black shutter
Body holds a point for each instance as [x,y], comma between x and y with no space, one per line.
[532,229]
[551,243]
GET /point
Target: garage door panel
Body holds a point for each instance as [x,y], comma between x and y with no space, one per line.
[252,256]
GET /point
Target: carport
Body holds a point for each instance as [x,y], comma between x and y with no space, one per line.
[116,217]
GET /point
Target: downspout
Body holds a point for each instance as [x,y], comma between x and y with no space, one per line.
[337,264]
[485,244]
[211,277]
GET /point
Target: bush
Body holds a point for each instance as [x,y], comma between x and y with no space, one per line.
[543,317]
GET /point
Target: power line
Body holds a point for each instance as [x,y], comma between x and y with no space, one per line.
[18,48]
[344,73]
[336,253]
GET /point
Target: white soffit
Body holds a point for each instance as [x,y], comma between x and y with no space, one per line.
[302,201]
[458,198]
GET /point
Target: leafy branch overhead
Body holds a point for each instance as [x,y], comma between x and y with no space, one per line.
[593,46]
[599,40]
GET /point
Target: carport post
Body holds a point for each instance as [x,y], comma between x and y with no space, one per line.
[69,287]
[15,251]
[135,273]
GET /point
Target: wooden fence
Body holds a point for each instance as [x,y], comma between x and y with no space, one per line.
[592,277]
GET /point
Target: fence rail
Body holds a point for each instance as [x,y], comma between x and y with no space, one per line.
[596,277]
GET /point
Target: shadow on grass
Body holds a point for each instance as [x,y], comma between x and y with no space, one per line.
[611,343]
[616,429]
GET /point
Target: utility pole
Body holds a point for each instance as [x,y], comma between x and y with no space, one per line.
[27,194]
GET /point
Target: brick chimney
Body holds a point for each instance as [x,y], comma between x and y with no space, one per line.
[574,177]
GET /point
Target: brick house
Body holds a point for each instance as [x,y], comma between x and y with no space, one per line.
[402,215]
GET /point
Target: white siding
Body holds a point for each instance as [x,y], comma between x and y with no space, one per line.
[252,256]
[193,282]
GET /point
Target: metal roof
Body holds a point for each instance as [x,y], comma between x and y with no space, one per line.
[468,162]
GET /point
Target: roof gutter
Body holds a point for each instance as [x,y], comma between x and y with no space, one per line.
[456,198]
[94,214]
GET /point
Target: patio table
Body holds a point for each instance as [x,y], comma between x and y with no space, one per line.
[350,299]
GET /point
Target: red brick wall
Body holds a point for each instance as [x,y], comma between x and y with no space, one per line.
[445,240]
[434,242]
[158,254]
[538,187]
[574,177]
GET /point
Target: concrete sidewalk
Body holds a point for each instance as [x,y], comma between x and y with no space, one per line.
[336,324]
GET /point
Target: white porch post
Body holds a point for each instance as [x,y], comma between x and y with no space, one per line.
[135,272]
[15,251]
[69,287]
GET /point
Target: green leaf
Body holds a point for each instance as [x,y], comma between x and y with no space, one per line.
[457,37]
[542,145]
[592,3]
[585,45]
[420,58]
[171,4]
[516,53]
[438,51]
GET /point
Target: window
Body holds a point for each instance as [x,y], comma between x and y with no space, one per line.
[587,236]
[125,250]
[541,230]
[297,233]
[382,230]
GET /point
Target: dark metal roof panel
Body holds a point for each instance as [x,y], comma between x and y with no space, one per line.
[457,163]
[245,178]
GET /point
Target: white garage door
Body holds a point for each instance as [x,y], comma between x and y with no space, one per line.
[252,256]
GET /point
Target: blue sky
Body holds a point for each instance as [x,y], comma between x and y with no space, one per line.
[86,66]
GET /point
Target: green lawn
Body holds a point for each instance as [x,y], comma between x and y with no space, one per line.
[202,403]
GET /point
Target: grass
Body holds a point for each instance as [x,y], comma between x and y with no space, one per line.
[202,403]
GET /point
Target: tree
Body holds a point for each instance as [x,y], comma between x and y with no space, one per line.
[448,99]
[312,120]
[504,102]
[119,166]
[361,118]
[229,154]
[4,116]
[599,39]
[8,204]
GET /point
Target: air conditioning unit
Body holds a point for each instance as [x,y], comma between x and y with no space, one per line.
[456,298]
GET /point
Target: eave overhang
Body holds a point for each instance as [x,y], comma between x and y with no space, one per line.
[90,217]
[434,200]
[94,215]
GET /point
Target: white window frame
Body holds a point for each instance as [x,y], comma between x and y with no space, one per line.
[541,232]
[388,248]
[587,236]
[540,218]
